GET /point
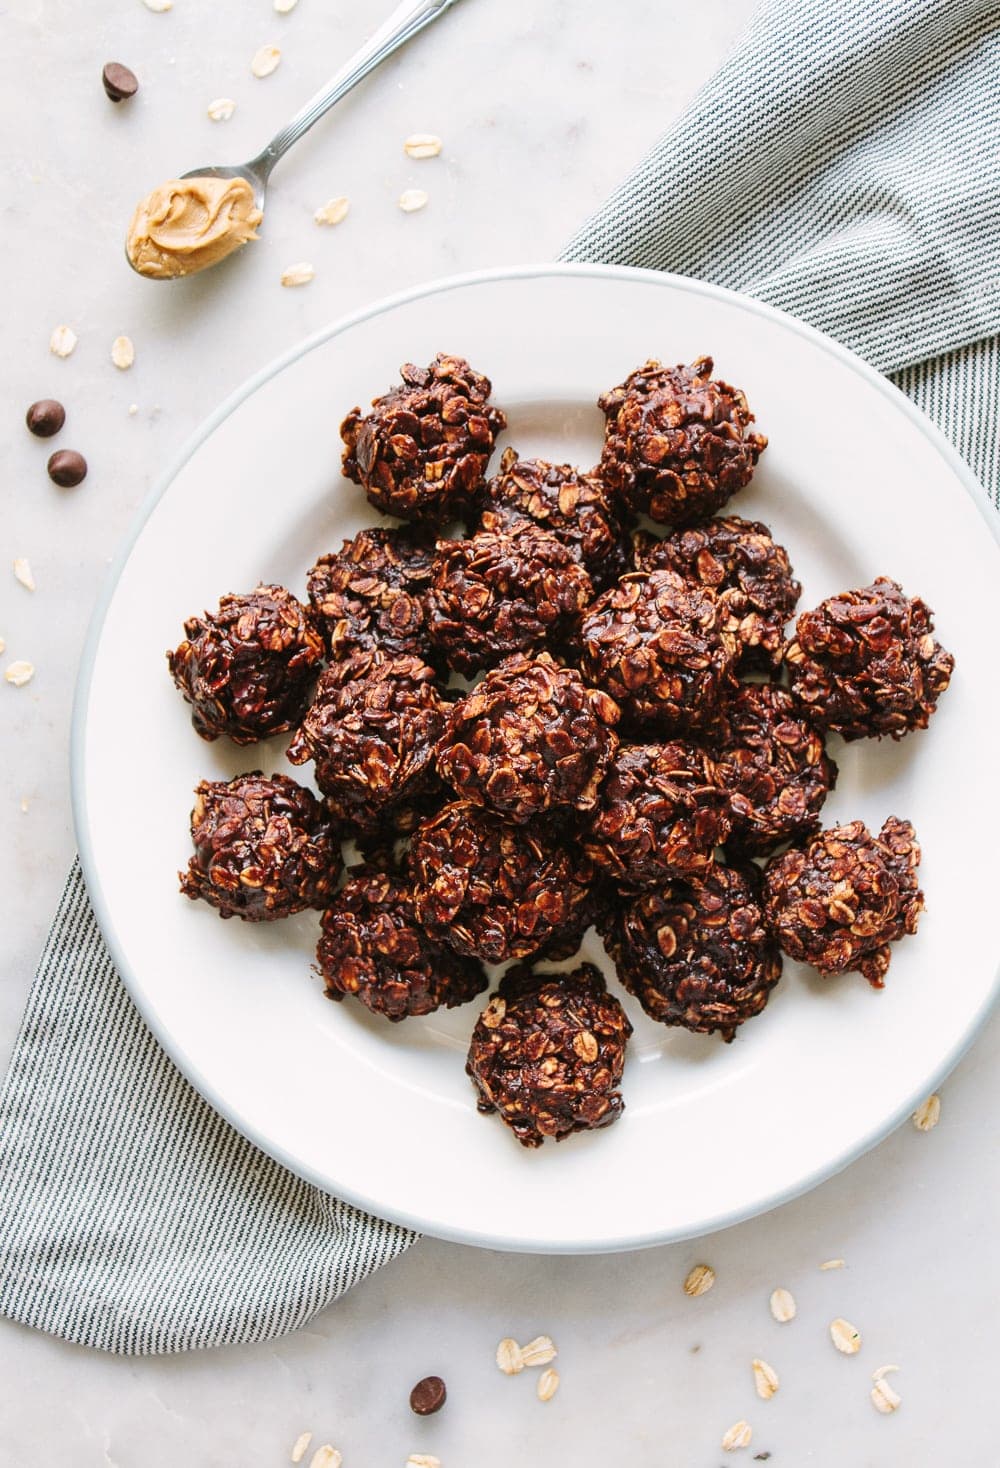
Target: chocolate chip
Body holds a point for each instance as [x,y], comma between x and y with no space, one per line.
[119,82]
[428,1396]
[67,468]
[45,417]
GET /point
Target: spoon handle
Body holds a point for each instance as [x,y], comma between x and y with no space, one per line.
[404,23]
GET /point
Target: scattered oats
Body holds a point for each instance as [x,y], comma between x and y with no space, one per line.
[881,1371]
[738,1436]
[782,1305]
[422,1460]
[410,200]
[122,352]
[422,145]
[221,109]
[326,1457]
[700,1280]
[509,1357]
[158,7]
[334,210]
[301,273]
[62,341]
[845,1337]
[266,61]
[538,1352]
[24,804]
[19,673]
[548,1384]
[301,1443]
[927,1114]
[285,7]
[884,1398]
[832,1264]
[765,1379]
[133,408]
[22,570]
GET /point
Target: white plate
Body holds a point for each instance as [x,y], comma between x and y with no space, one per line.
[855,482]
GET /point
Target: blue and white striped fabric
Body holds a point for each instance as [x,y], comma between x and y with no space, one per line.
[844,165]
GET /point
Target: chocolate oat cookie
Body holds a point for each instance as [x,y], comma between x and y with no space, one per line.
[770,758]
[661,648]
[501,593]
[548,1053]
[660,815]
[530,737]
[697,954]
[247,669]
[865,663]
[263,848]
[739,562]
[372,593]
[370,731]
[422,451]
[678,443]
[373,948]
[841,901]
[573,505]
[494,890]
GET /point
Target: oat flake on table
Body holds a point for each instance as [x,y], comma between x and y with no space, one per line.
[265,61]
[20,672]
[299,1446]
[422,145]
[123,352]
[845,1336]
[410,200]
[63,341]
[300,273]
[285,7]
[927,1114]
[221,109]
[509,1357]
[539,1352]
[22,570]
[738,1436]
[548,1384]
[782,1305]
[883,1397]
[158,7]
[334,211]
[765,1379]
[326,1457]
[699,1280]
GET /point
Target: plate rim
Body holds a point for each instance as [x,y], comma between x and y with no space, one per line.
[81,698]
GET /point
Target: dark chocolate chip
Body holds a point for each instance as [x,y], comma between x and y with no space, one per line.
[67,468]
[45,417]
[119,82]
[428,1396]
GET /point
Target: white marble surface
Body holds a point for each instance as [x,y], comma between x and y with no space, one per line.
[542,109]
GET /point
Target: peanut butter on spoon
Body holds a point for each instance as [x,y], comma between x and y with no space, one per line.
[188,224]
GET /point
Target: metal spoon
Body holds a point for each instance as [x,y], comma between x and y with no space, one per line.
[404,23]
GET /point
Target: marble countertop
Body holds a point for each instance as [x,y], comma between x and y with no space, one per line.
[542,109]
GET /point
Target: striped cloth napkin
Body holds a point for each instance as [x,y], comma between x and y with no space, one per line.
[844,164]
